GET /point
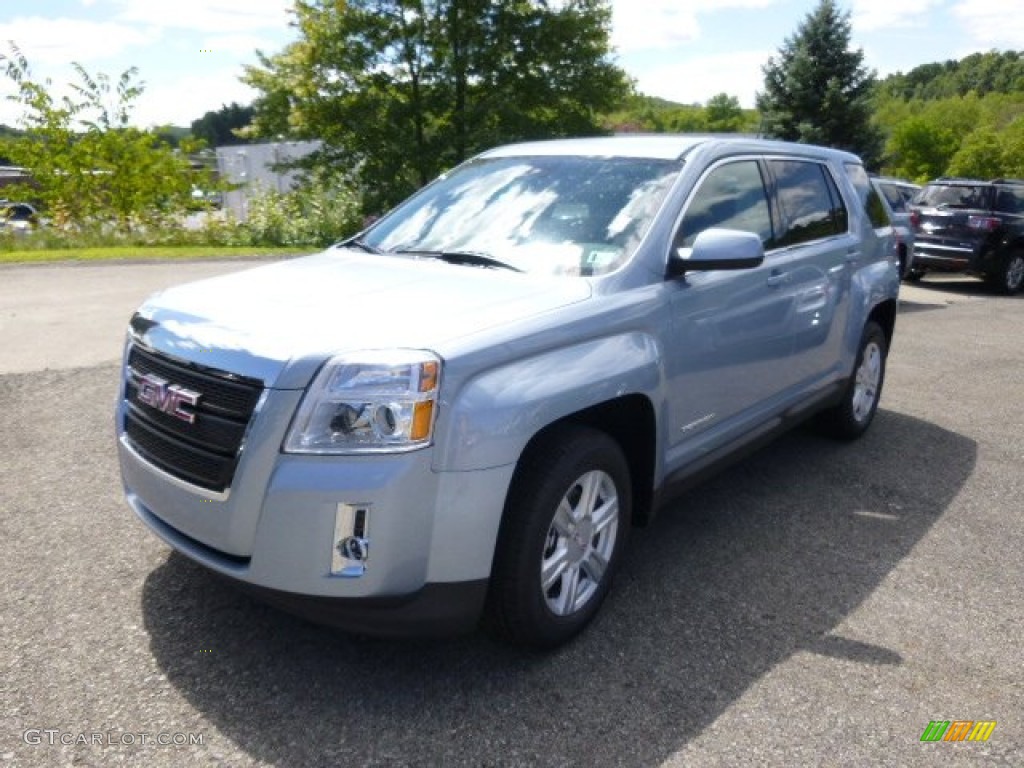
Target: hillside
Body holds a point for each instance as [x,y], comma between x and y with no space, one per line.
[980,73]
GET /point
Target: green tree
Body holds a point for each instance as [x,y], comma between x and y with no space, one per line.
[89,166]
[980,73]
[980,156]
[400,90]
[221,127]
[951,136]
[724,114]
[920,149]
[1013,149]
[817,89]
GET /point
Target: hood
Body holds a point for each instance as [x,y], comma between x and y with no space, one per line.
[277,323]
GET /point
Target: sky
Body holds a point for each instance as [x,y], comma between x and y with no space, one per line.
[190,53]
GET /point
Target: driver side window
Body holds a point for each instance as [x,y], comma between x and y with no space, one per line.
[732,196]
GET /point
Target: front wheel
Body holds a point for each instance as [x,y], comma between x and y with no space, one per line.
[852,417]
[564,529]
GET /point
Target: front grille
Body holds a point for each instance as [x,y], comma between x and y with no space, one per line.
[204,452]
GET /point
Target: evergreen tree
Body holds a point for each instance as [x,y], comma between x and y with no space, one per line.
[817,89]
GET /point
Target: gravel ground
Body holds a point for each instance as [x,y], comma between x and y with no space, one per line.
[816,605]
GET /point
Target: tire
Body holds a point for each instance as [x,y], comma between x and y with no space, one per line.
[567,516]
[852,417]
[1010,278]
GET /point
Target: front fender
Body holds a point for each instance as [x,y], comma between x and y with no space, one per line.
[495,413]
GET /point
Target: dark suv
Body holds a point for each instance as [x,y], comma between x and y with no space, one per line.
[977,227]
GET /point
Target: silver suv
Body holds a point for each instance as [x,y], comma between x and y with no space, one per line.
[461,412]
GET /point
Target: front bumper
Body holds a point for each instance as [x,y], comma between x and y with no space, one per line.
[434,610]
[430,534]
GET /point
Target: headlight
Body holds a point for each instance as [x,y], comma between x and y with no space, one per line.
[365,402]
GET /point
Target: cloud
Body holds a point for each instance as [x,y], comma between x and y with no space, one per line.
[648,24]
[643,25]
[236,46]
[177,101]
[162,104]
[871,15]
[991,23]
[697,79]
[207,16]
[63,40]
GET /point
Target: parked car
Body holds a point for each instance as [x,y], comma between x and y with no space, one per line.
[897,194]
[18,217]
[206,199]
[463,411]
[971,226]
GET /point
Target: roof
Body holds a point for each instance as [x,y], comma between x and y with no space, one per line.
[659,146]
[954,180]
[895,180]
[663,146]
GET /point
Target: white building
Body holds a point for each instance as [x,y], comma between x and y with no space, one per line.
[250,167]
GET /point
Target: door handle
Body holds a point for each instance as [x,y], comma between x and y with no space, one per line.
[852,257]
[777,278]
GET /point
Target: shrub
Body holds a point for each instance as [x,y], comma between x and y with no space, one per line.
[318,212]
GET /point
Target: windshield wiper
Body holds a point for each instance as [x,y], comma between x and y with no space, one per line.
[472,258]
[355,242]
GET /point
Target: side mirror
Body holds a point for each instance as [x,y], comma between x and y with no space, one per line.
[718,249]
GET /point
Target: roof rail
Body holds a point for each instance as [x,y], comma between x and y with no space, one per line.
[1007,181]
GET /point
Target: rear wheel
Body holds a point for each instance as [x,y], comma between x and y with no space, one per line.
[852,417]
[565,525]
[1010,278]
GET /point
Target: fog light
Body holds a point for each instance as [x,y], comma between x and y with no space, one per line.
[351,545]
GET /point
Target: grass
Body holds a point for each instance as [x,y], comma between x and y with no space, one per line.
[144,253]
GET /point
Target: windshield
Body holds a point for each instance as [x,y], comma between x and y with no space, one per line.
[953,196]
[545,215]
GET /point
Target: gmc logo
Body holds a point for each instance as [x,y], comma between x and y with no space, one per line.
[166,397]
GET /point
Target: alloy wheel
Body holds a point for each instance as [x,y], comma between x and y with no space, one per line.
[579,543]
[868,379]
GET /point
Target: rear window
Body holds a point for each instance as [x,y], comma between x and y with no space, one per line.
[974,196]
[894,196]
[1010,199]
[869,197]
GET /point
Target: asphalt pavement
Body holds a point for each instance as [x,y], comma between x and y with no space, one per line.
[816,605]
